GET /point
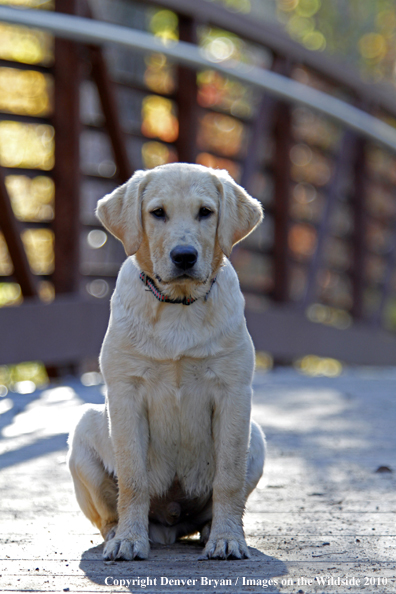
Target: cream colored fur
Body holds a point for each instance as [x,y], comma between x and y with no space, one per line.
[173,451]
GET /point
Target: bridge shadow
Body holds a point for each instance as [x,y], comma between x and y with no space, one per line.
[171,566]
[38,424]
[340,429]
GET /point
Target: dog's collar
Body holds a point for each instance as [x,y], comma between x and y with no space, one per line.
[164,298]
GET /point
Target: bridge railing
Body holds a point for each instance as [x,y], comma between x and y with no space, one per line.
[318,275]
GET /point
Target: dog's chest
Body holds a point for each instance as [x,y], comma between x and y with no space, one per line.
[179,412]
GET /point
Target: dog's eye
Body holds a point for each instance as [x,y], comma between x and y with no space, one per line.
[158,212]
[204,212]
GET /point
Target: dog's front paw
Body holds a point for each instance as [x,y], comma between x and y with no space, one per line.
[225,546]
[126,549]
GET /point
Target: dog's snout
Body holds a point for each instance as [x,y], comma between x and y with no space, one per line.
[184,256]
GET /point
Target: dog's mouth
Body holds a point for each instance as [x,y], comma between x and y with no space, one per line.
[182,284]
[184,276]
[180,277]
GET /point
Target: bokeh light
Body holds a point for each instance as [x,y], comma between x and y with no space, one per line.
[155,153]
[302,240]
[159,119]
[238,6]
[372,46]
[360,34]
[264,361]
[219,46]
[10,294]
[41,4]
[39,246]
[221,134]
[26,145]
[164,24]
[330,316]
[96,238]
[12,375]
[218,163]
[25,92]
[214,90]
[46,291]
[319,366]
[98,288]
[159,75]
[29,46]
[6,266]
[32,199]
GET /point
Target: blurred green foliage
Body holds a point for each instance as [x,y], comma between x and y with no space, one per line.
[361,32]
[32,371]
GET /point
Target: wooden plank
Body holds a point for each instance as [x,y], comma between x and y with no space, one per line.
[11,229]
[62,332]
[66,120]
[287,334]
[70,329]
[325,440]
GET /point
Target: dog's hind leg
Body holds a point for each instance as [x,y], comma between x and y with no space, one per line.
[96,488]
[256,457]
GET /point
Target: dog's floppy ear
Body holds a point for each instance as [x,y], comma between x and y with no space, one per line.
[121,212]
[239,213]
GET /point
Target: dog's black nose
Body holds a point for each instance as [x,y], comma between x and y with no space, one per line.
[184,256]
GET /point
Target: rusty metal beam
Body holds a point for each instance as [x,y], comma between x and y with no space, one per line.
[344,163]
[105,86]
[107,95]
[387,288]
[12,234]
[66,121]
[359,229]
[260,127]
[281,173]
[186,98]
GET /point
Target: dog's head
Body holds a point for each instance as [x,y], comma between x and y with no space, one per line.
[180,220]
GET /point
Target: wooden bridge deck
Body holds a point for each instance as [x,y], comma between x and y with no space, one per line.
[324,512]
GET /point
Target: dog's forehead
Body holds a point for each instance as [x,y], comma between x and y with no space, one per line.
[184,185]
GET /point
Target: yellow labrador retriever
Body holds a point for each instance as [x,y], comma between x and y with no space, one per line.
[173,450]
